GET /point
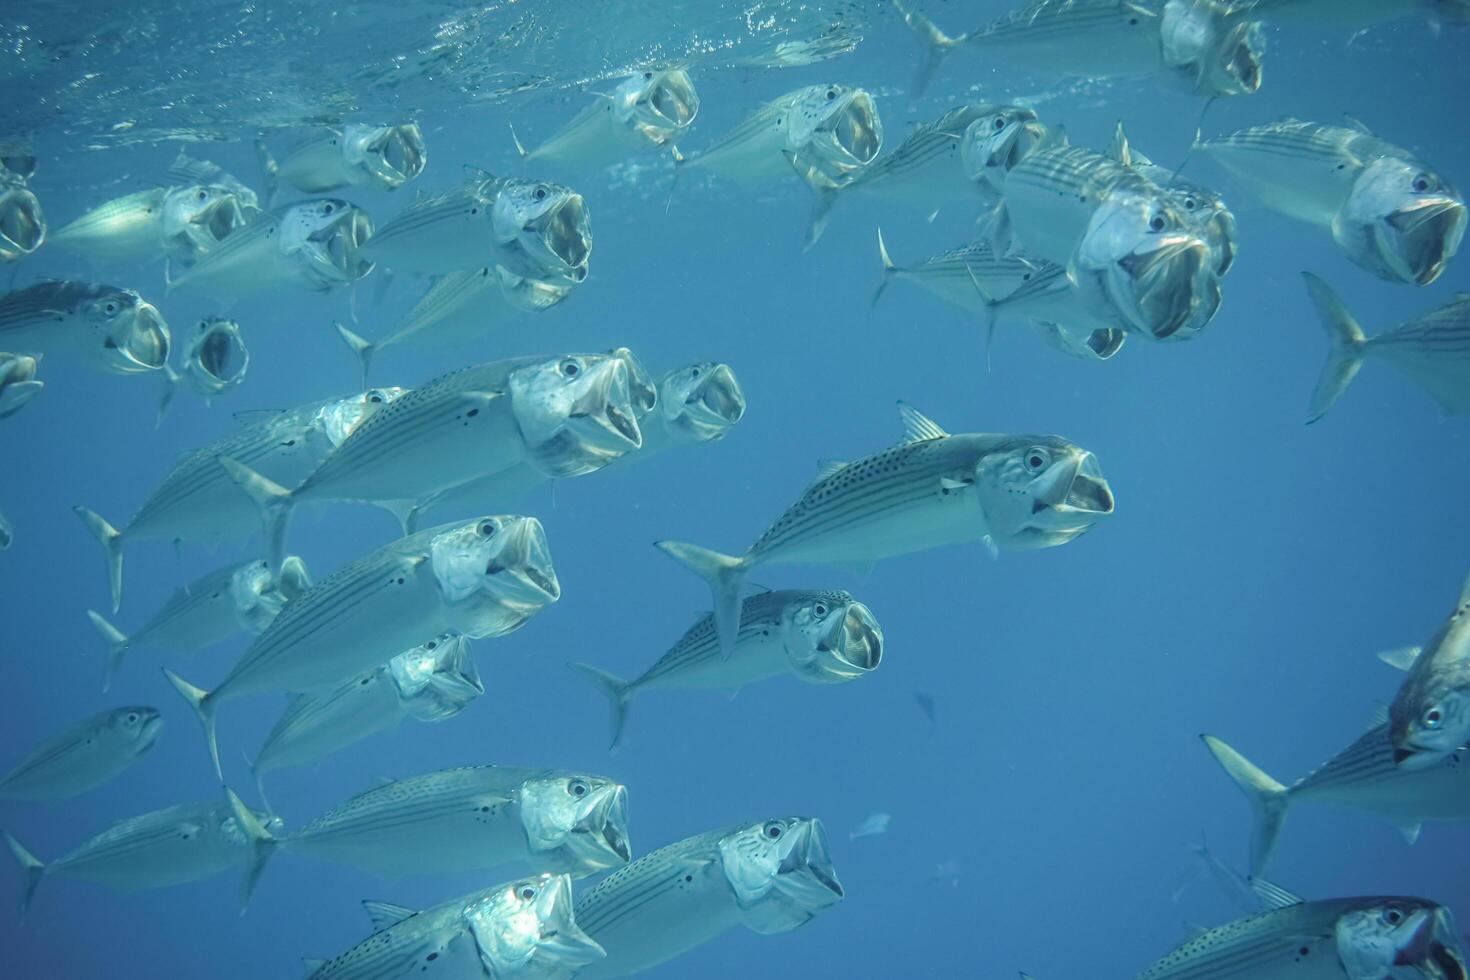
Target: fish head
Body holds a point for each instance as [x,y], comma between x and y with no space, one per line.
[494,573]
[1429,718]
[131,335]
[216,356]
[526,930]
[576,413]
[1399,938]
[339,419]
[575,823]
[1140,256]
[657,105]
[324,240]
[830,637]
[134,728]
[18,383]
[388,156]
[835,130]
[198,217]
[643,390]
[436,680]
[1040,491]
[1212,47]
[254,595]
[1401,221]
[996,142]
[546,226]
[534,295]
[22,223]
[779,873]
[701,401]
[1205,214]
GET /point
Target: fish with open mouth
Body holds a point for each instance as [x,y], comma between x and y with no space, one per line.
[1368,938]
[771,877]
[215,361]
[18,384]
[818,636]
[994,144]
[83,756]
[352,155]
[523,929]
[1388,211]
[113,330]
[1204,210]
[178,222]
[316,244]
[481,578]
[198,501]
[1012,492]
[1429,717]
[22,222]
[648,110]
[533,228]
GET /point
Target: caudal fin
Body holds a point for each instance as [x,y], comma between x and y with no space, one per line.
[361,348]
[32,871]
[1345,353]
[262,845]
[203,706]
[111,540]
[1267,797]
[117,646]
[934,44]
[166,394]
[619,695]
[274,502]
[726,577]
[889,271]
[823,198]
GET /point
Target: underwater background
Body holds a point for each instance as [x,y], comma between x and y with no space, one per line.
[1044,820]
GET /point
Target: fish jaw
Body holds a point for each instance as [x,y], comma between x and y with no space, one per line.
[988,152]
[1415,243]
[528,926]
[22,223]
[849,138]
[577,414]
[137,343]
[388,156]
[521,572]
[801,883]
[331,255]
[1165,288]
[665,107]
[493,573]
[852,649]
[703,401]
[549,240]
[1210,48]
[599,841]
[217,358]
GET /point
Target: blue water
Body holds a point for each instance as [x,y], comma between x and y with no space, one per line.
[1252,570]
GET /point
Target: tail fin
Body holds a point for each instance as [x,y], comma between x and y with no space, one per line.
[269,171]
[822,200]
[726,577]
[1267,798]
[117,646]
[520,150]
[32,870]
[262,845]
[274,502]
[619,693]
[889,271]
[111,541]
[992,312]
[1345,356]
[361,348]
[166,395]
[679,161]
[203,706]
[934,44]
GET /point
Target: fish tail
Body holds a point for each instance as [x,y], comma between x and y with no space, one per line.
[203,704]
[822,200]
[361,348]
[1345,354]
[992,312]
[726,577]
[274,502]
[1268,800]
[166,395]
[111,540]
[889,271]
[32,869]
[117,646]
[259,776]
[934,44]
[269,171]
[520,150]
[293,579]
[619,694]
[679,161]
[262,845]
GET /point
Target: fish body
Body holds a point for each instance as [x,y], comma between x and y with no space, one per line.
[1429,717]
[22,221]
[18,384]
[771,877]
[932,489]
[1389,212]
[354,155]
[821,637]
[83,756]
[648,110]
[112,330]
[180,221]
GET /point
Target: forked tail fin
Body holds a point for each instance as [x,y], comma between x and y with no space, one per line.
[262,845]
[1267,798]
[111,541]
[619,695]
[274,502]
[889,271]
[1345,353]
[361,348]
[269,171]
[117,646]
[32,871]
[726,577]
[934,45]
[203,705]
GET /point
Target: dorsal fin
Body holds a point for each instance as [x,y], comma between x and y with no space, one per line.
[827,467]
[1401,658]
[1120,146]
[385,914]
[918,427]
[250,416]
[1055,138]
[1273,896]
[755,588]
[1355,123]
[311,965]
[1379,718]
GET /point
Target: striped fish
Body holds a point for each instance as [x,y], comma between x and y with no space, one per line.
[198,501]
[1331,939]
[84,756]
[996,143]
[651,109]
[482,578]
[215,360]
[821,637]
[1391,213]
[932,489]
[523,929]
[111,329]
[1432,350]
[771,877]
[1204,210]
[467,819]
[18,384]
[354,155]
[180,221]
[179,844]
[238,598]
[22,221]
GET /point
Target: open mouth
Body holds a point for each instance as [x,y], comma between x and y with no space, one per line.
[855,130]
[222,355]
[21,225]
[1021,140]
[860,639]
[1413,757]
[1242,64]
[220,219]
[146,344]
[340,245]
[564,232]
[810,855]
[720,397]
[1428,235]
[674,100]
[1167,289]
[1105,342]
[400,151]
[1445,963]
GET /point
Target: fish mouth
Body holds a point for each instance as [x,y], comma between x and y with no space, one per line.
[559,939]
[221,354]
[1017,141]
[22,225]
[642,392]
[337,247]
[855,130]
[1168,291]
[1218,232]
[1421,238]
[145,340]
[604,830]
[1072,496]
[219,219]
[1424,945]
[715,404]
[562,234]
[1104,342]
[1413,758]
[855,643]
[397,155]
[151,729]
[671,102]
[1239,71]
[521,570]
[605,418]
[806,874]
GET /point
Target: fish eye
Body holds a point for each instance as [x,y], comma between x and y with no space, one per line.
[1422,183]
[1393,916]
[1000,122]
[1433,717]
[1156,223]
[648,76]
[431,645]
[132,717]
[570,368]
[540,192]
[694,372]
[526,892]
[820,609]
[1190,204]
[1036,460]
[326,209]
[110,307]
[831,94]
[486,528]
[772,830]
[577,788]
[202,195]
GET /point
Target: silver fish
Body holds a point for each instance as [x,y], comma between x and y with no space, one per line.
[821,637]
[187,170]
[648,110]
[111,329]
[523,929]
[1432,350]
[1388,211]
[432,682]
[771,877]
[1203,208]
[183,222]
[467,819]
[314,244]
[198,501]
[1350,938]
[172,846]
[215,361]
[482,578]
[354,155]
[933,488]
[83,756]
[18,383]
[22,222]
[1429,717]
[995,143]
[241,598]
